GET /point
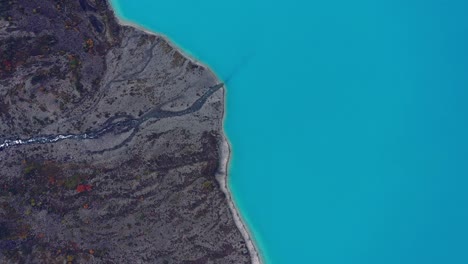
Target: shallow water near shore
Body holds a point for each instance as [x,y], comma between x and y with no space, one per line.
[348,121]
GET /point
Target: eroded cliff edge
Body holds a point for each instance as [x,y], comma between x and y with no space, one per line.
[110,143]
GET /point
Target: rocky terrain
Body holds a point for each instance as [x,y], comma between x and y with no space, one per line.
[110,143]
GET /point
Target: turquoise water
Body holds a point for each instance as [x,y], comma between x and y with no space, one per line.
[348,121]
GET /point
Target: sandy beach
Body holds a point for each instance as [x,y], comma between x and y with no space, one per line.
[222,179]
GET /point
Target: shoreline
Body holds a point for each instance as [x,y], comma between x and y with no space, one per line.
[221,177]
[171,43]
[225,151]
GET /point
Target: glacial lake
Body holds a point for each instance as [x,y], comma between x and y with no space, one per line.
[348,121]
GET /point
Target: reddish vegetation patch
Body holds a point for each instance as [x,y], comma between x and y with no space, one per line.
[7,65]
[83,187]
